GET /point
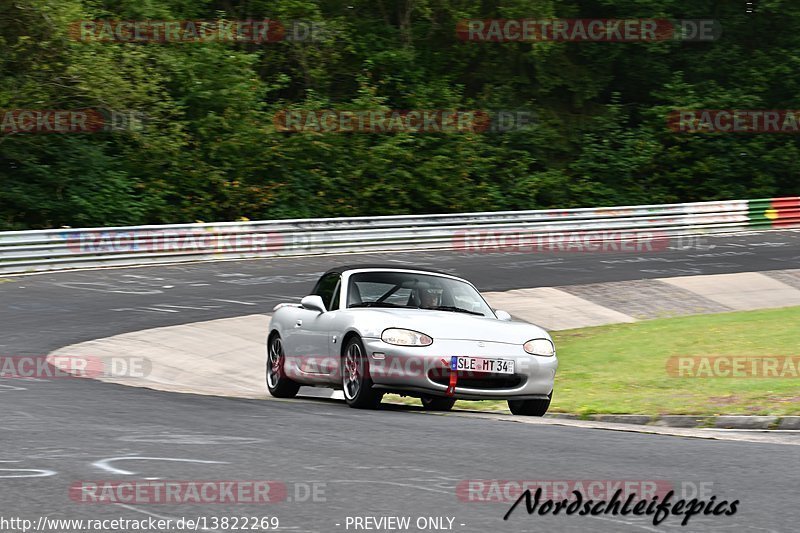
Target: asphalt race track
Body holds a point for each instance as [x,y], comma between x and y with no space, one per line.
[393,462]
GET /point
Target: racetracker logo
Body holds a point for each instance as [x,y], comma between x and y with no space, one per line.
[17,121]
[509,490]
[210,241]
[197,31]
[387,367]
[580,241]
[165,492]
[727,366]
[587,30]
[402,121]
[734,121]
[71,366]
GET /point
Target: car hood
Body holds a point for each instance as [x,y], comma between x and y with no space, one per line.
[451,325]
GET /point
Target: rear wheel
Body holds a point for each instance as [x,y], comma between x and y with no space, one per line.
[437,403]
[278,384]
[530,407]
[356,383]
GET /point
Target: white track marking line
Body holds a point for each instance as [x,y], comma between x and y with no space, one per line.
[8,388]
[104,464]
[41,473]
[232,301]
[190,307]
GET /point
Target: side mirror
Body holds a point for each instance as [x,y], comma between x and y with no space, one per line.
[313,302]
[502,315]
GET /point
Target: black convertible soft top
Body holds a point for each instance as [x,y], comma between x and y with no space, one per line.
[343,268]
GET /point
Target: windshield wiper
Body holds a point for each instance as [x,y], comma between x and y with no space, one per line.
[453,308]
[382,304]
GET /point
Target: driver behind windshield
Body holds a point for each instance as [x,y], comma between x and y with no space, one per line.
[428,298]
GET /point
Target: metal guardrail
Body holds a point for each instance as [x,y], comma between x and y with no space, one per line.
[58,249]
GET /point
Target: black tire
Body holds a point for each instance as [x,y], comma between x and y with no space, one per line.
[278,384]
[437,403]
[530,407]
[356,383]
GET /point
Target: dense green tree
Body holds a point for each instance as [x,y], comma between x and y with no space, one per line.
[209,150]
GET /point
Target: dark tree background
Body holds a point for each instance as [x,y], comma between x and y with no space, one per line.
[209,150]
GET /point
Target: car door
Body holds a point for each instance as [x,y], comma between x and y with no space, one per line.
[308,341]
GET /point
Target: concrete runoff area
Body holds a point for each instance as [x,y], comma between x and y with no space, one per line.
[554,309]
[743,291]
[223,357]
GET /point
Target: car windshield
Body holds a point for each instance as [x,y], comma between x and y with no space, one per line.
[413,290]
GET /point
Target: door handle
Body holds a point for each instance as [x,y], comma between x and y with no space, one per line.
[298,324]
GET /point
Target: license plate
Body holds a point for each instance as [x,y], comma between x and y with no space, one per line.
[482,364]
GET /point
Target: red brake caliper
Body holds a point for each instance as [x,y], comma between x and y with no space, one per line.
[451,389]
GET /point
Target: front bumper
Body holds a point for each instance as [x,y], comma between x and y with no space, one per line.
[426,370]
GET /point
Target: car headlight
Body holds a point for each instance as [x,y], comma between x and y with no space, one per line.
[541,347]
[405,337]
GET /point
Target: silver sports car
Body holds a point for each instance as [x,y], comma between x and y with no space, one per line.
[369,330]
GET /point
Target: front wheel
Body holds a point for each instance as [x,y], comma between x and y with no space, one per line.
[278,384]
[530,407]
[437,403]
[356,383]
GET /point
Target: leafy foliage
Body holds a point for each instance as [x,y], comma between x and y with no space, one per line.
[209,149]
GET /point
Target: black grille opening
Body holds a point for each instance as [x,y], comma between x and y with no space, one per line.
[475,380]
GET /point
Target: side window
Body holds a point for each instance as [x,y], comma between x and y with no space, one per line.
[325,289]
